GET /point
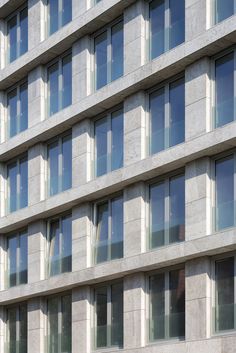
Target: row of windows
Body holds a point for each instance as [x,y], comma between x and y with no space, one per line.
[165,312]
[166,27]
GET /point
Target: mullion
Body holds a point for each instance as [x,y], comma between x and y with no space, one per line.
[18,110]
[109,51]
[60,243]
[59,317]
[109,143]
[109,228]
[109,314]
[167,304]
[234,292]
[167,26]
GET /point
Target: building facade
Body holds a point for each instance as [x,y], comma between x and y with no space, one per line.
[117,176]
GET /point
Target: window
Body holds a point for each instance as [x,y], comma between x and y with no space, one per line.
[17,329]
[17,33]
[60,84]
[59,14]
[59,324]
[17,255]
[108,242]
[224,310]
[224,193]
[109,142]
[17,180]
[59,245]
[59,165]
[167,25]
[108,320]
[17,108]
[167,305]
[224,9]
[224,90]
[167,116]
[109,56]
[167,211]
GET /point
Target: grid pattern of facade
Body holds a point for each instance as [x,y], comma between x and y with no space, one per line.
[117,176]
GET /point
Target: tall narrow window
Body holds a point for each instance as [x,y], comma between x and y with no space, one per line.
[17,329]
[17,30]
[224,193]
[17,177]
[224,310]
[167,305]
[167,25]
[17,107]
[109,141]
[224,90]
[17,254]
[167,211]
[224,9]
[59,165]
[109,55]
[60,84]
[60,246]
[108,325]
[167,116]
[108,242]
[59,324]
[59,14]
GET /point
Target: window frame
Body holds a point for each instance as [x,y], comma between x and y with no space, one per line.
[213,13]
[165,86]
[165,179]
[17,307]
[16,14]
[59,140]
[108,30]
[60,9]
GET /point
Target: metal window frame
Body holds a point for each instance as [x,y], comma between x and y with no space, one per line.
[108,30]
[48,22]
[166,87]
[213,12]
[165,180]
[17,307]
[59,62]
[16,14]
[59,141]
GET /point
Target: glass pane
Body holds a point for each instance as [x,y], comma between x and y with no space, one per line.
[12,187]
[66,11]
[12,334]
[177,112]
[66,81]
[101,250]
[177,304]
[12,113]
[157,123]
[23,258]
[177,209]
[101,60]
[224,193]
[101,131]
[117,127]
[12,39]
[225,294]
[224,9]
[157,27]
[53,89]
[53,15]
[12,261]
[53,328]
[53,161]
[177,23]
[54,248]
[157,215]
[23,124]
[24,31]
[66,324]
[23,202]
[66,243]
[23,328]
[157,307]
[66,163]
[117,48]
[117,228]
[101,317]
[117,314]
[224,90]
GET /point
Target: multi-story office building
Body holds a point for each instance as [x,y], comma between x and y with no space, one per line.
[117,176]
